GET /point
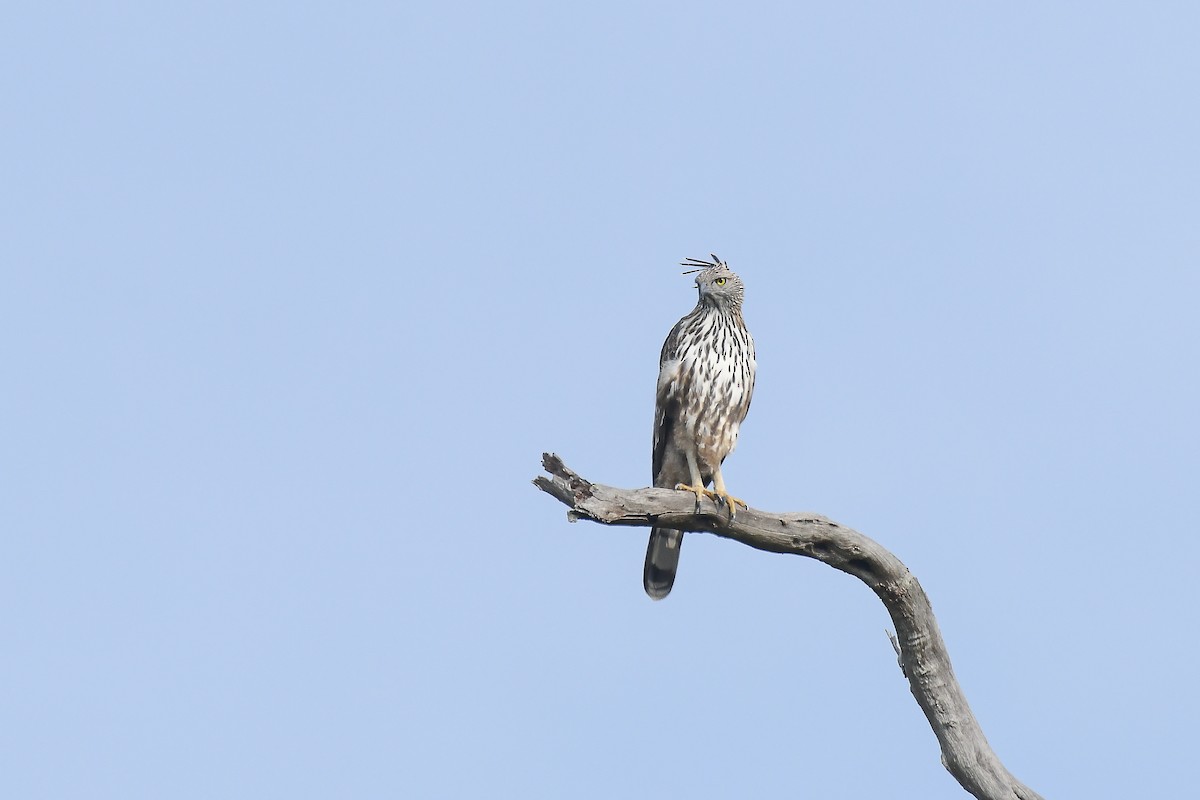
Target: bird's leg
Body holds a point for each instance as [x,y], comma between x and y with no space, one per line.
[726,497]
[719,495]
[697,485]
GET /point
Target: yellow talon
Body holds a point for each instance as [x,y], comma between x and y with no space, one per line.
[699,491]
[720,498]
[733,502]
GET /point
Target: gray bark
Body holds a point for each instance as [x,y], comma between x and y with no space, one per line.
[966,753]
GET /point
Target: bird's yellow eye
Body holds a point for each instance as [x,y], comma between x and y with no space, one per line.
[719,281]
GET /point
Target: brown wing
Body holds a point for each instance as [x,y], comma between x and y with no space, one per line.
[666,402]
[662,551]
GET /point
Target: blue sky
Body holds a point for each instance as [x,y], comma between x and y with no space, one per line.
[295,297]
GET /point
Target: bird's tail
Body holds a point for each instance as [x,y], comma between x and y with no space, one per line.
[662,560]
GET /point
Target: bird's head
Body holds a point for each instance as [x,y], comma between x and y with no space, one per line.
[719,286]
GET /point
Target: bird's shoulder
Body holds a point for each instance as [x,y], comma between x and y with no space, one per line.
[682,335]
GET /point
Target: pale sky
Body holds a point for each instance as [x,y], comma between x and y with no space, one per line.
[296,296]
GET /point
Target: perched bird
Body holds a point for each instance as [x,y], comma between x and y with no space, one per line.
[705,380]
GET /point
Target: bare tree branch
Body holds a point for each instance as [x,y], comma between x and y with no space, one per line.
[922,654]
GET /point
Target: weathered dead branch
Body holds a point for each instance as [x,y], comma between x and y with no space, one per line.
[922,653]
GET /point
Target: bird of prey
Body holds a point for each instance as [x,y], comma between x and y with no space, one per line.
[705,380]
